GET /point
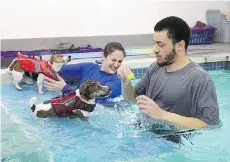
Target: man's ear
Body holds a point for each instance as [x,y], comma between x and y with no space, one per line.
[180,45]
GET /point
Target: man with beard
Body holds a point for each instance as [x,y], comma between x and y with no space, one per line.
[174,88]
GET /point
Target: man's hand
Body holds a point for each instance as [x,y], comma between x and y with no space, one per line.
[123,71]
[150,108]
[53,85]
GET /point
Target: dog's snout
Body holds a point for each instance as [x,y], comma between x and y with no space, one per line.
[108,89]
[69,57]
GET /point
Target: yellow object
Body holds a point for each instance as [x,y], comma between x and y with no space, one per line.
[130,77]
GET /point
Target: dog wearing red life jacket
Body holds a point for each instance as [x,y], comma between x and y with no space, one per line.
[43,68]
[78,104]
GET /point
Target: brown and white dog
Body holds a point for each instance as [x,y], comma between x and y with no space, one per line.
[56,62]
[78,104]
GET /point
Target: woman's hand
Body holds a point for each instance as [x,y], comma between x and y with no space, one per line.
[150,108]
[53,85]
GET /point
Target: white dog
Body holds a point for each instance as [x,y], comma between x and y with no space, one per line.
[43,68]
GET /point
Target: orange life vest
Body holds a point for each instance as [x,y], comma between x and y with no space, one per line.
[36,65]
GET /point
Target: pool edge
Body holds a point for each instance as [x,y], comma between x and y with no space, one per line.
[136,63]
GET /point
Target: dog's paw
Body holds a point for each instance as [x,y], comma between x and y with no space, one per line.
[17,86]
[41,92]
[9,71]
[32,101]
[81,113]
[19,89]
[27,80]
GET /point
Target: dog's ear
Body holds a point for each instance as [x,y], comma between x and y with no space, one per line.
[51,59]
[84,91]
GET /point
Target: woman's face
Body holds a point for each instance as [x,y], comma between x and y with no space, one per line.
[112,62]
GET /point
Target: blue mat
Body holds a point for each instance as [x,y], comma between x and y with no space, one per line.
[86,49]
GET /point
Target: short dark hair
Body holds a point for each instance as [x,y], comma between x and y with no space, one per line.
[113,46]
[178,29]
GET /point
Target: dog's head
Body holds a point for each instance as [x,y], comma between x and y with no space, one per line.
[91,89]
[58,60]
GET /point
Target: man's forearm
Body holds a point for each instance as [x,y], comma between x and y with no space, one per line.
[128,92]
[184,122]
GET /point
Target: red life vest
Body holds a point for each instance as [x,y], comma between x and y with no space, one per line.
[64,105]
[36,65]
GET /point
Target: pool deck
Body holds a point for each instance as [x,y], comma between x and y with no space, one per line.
[198,53]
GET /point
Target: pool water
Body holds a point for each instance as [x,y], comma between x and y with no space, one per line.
[109,135]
